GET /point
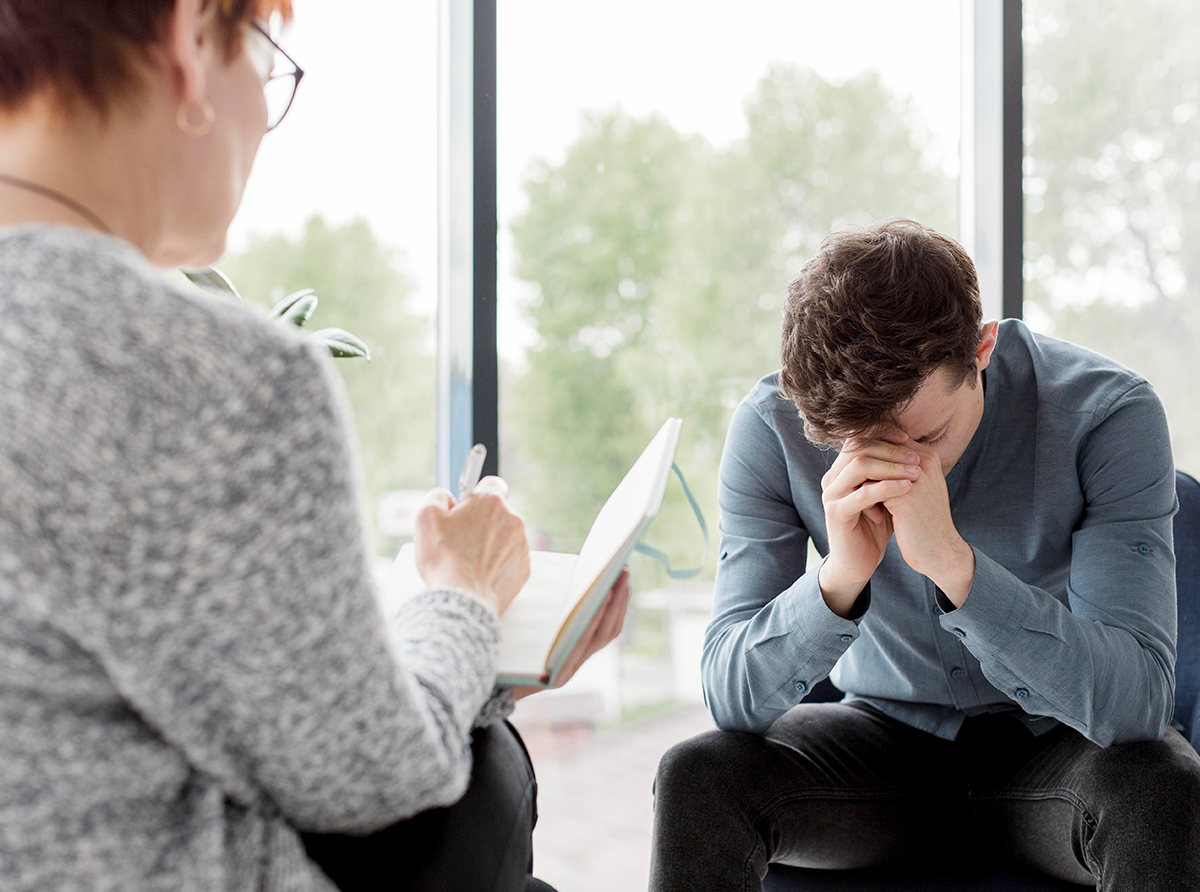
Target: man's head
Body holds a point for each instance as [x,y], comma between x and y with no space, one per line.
[879,312]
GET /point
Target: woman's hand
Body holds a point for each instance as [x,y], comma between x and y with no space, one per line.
[602,630]
[477,545]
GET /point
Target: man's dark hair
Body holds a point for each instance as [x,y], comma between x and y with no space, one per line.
[869,318]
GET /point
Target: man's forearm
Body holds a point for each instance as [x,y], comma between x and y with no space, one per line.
[839,592]
[955,572]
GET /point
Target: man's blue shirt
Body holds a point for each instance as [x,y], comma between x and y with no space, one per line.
[1066,493]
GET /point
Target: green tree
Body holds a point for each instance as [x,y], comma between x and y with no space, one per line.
[364,288]
[1113,189]
[660,264]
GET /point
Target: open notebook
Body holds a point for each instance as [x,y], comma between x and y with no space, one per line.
[544,622]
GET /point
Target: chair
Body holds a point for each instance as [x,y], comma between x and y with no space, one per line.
[1009,877]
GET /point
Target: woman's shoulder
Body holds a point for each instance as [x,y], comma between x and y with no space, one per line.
[76,297]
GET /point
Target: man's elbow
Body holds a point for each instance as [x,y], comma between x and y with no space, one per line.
[1148,724]
[729,709]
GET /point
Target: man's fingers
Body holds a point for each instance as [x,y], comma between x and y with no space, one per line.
[877,450]
[865,469]
[868,495]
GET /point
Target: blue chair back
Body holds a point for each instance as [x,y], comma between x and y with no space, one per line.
[1187,583]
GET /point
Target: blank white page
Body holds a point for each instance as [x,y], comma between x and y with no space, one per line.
[532,619]
[634,501]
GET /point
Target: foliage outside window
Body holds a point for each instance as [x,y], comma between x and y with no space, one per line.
[1112,184]
[660,264]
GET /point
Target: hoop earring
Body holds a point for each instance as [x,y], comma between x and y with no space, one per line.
[184,121]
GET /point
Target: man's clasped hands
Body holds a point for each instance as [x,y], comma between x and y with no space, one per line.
[880,488]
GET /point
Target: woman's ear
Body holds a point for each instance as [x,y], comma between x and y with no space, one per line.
[186,39]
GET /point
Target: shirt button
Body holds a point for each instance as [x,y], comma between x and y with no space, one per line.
[937,608]
[801,687]
[847,638]
[960,633]
[1143,548]
[1022,693]
[956,672]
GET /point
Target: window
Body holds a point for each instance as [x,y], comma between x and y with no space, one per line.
[663,171]
[343,200]
[1112,185]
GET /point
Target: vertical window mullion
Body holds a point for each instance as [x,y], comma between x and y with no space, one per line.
[991,224]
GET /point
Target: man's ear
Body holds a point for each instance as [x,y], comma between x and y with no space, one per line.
[185,41]
[987,343]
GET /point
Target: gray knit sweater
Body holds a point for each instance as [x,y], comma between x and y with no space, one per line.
[193,662]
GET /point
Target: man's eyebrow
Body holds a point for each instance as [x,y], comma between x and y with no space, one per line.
[934,434]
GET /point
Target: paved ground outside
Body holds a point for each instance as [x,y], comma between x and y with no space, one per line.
[595,804]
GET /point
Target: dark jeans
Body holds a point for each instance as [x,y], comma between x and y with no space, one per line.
[844,786]
[482,842]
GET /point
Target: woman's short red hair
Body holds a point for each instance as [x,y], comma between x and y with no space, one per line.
[86,48]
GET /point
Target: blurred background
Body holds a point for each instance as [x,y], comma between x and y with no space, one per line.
[664,168]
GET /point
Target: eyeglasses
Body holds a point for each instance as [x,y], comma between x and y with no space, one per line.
[279,82]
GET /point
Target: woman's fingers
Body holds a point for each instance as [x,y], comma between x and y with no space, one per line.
[494,485]
[478,544]
[604,628]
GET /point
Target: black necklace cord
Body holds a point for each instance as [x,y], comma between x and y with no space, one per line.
[54,195]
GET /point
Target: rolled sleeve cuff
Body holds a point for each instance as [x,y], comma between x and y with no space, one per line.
[993,611]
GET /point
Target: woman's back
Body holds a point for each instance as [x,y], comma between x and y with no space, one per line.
[191,662]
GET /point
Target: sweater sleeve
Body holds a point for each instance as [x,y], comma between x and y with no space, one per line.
[235,608]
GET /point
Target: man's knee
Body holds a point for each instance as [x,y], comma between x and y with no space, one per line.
[704,766]
[1149,788]
[1147,771]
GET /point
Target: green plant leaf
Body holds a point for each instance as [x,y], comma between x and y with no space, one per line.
[341,344]
[212,279]
[297,308]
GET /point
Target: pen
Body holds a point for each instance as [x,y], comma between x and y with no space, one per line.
[472,468]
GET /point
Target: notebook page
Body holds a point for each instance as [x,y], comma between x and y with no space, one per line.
[531,621]
[635,499]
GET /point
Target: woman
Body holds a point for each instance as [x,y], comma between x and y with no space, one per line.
[193,668]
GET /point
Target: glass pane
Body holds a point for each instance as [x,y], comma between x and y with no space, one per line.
[665,169]
[343,200]
[1112,190]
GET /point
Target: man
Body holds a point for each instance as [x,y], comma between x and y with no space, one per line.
[996,596]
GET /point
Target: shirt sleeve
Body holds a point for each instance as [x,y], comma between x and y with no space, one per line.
[238,615]
[772,637]
[1104,662]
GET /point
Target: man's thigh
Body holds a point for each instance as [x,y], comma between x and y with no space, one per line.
[865,788]
[1127,815]
[828,786]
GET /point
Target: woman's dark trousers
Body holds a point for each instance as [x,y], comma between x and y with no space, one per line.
[482,843]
